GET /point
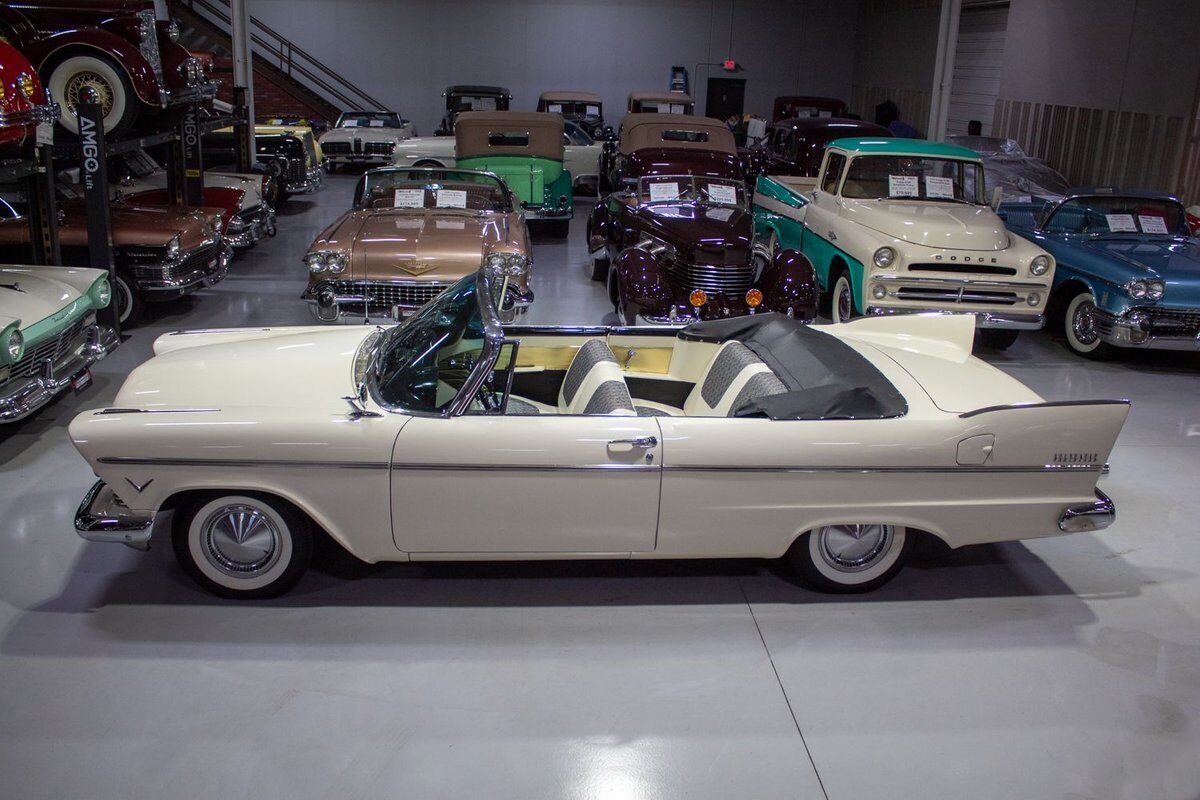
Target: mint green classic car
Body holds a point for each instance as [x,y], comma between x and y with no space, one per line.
[526,150]
[48,334]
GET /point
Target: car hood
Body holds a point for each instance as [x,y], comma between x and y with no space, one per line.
[951,226]
[436,245]
[134,225]
[32,297]
[366,134]
[1177,262]
[284,367]
[716,231]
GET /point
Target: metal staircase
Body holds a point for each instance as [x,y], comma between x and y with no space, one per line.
[288,80]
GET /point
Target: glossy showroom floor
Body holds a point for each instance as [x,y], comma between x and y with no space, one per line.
[1064,668]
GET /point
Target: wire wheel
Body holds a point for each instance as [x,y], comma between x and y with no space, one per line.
[89,86]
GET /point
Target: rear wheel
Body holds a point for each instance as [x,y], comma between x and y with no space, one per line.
[600,268]
[242,546]
[1079,327]
[850,558]
[841,299]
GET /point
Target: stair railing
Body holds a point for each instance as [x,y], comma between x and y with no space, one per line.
[292,60]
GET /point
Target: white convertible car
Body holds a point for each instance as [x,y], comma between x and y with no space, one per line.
[454,437]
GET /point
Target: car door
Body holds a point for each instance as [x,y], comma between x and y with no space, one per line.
[485,484]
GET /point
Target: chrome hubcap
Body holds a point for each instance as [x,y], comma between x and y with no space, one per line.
[1083,322]
[89,84]
[853,548]
[843,304]
[240,540]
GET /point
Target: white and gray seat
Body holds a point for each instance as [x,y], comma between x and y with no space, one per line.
[594,384]
[733,377]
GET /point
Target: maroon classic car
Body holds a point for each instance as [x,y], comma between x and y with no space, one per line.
[791,106]
[674,240]
[23,101]
[796,146]
[116,50]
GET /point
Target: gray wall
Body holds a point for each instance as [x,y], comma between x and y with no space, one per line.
[895,52]
[1127,55]
[406,53]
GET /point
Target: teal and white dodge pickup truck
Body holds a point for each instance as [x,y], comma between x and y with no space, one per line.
[900,226]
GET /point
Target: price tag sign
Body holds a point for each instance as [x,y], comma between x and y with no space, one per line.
[664,191]
[376,123]
[554,108]
[1121,223]
[1152,224]
[45,133]
[939,187]
[410,198]
[452,198]
[903,186]
[722,193]
[593,111]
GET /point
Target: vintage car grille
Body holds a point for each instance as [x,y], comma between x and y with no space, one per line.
[358,147]
[963,296]
[336,148]
[149,45]
[1173,320]
[196,260]
[68,340]
[963,269]
[407,294]
[729,279]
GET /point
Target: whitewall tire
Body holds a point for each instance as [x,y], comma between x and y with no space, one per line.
[129,305]
[851,557]
[81,75]
[1079,327]
[841,299]
[242,545]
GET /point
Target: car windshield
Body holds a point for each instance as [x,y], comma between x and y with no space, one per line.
[872,177]
[575,108]
[431,188]
[473,102]
[1109,214]
[373,119]
[661,107]
[691,188]
[422,364]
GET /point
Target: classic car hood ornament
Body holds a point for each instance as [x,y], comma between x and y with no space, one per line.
[415,267]
[948,225]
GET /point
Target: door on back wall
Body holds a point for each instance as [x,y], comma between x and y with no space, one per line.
[726,97]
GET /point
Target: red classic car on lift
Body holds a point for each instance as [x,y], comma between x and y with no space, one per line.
[118,49]
[23,101]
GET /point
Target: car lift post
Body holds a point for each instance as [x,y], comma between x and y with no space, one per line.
[43,211]
[185,163]
[93,174]
[242,132]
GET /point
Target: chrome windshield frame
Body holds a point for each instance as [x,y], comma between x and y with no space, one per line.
[643,199]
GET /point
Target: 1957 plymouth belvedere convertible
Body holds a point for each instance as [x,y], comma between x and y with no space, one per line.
[895,226]
[409,235]
[452,437]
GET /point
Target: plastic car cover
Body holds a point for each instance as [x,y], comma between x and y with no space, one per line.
[825,377]
[1018,174]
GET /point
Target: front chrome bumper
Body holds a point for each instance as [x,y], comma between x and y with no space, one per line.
[206,275]
[1135,330]
[544,213]
[18,402]
[313,179]
[1006,320]
[1092,516]
[245,231]
[189,94]
[102,517]
[30,116]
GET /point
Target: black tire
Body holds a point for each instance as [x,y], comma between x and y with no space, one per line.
[821,566]
[80,70]
[560,228]
[600,268]
[997,339]
[129,303]
[614,288]
[430,163]
[207,536]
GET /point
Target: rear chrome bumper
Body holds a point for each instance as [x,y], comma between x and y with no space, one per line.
[102,517]
[56,377]
[983,319]
[1092,516]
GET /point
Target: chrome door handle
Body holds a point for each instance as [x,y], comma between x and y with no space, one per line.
[637,441]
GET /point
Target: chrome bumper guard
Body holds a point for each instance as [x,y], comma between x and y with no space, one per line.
[246,229]
[191,94]
[102,517]
[36,392]
[983,319]
[314,178]
[30,116]
[1134,330]
[194,279]
[1093,516]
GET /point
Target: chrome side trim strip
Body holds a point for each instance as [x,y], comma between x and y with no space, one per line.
[530,467]
[1048,404]
[249,462]
[876,470]
[155,411]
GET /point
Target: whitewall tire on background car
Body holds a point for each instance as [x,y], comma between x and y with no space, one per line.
[74,79]
[242,545]
[841,299]
[850,558]
[1079,326]
[129,305]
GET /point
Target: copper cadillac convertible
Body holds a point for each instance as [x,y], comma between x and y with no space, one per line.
[410,234]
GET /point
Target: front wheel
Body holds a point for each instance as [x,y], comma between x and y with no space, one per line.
[841,299]
[82,77]
[846,559]
[129,304]
[242,546]
[1079,327]
[600,268]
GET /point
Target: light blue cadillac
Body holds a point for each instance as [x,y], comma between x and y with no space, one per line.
[1128,271]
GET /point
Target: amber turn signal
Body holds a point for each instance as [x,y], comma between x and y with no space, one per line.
[697,298]
[754,298]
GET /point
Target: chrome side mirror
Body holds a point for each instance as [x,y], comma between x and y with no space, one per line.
[997,197]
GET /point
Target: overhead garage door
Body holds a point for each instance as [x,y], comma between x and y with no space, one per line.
[978,58]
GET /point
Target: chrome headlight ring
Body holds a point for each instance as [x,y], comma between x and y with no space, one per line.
[174,246]
[884,257]
[336,262]
[317,262]
[101,293]
[1155,290]
[1039,266]
[1137,289]
[14,346]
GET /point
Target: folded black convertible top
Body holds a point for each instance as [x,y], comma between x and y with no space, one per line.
[825,377]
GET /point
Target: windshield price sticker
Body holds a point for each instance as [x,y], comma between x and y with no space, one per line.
[554,108]
[452,198]
[1152,224]
[376,123]
[593,111]
[903,186]
[450,225]
[723,194]
[1121,223]
[664,191]
[675,108]
[410,198]
[939,187]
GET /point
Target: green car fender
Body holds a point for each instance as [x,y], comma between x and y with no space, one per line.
[824,255]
